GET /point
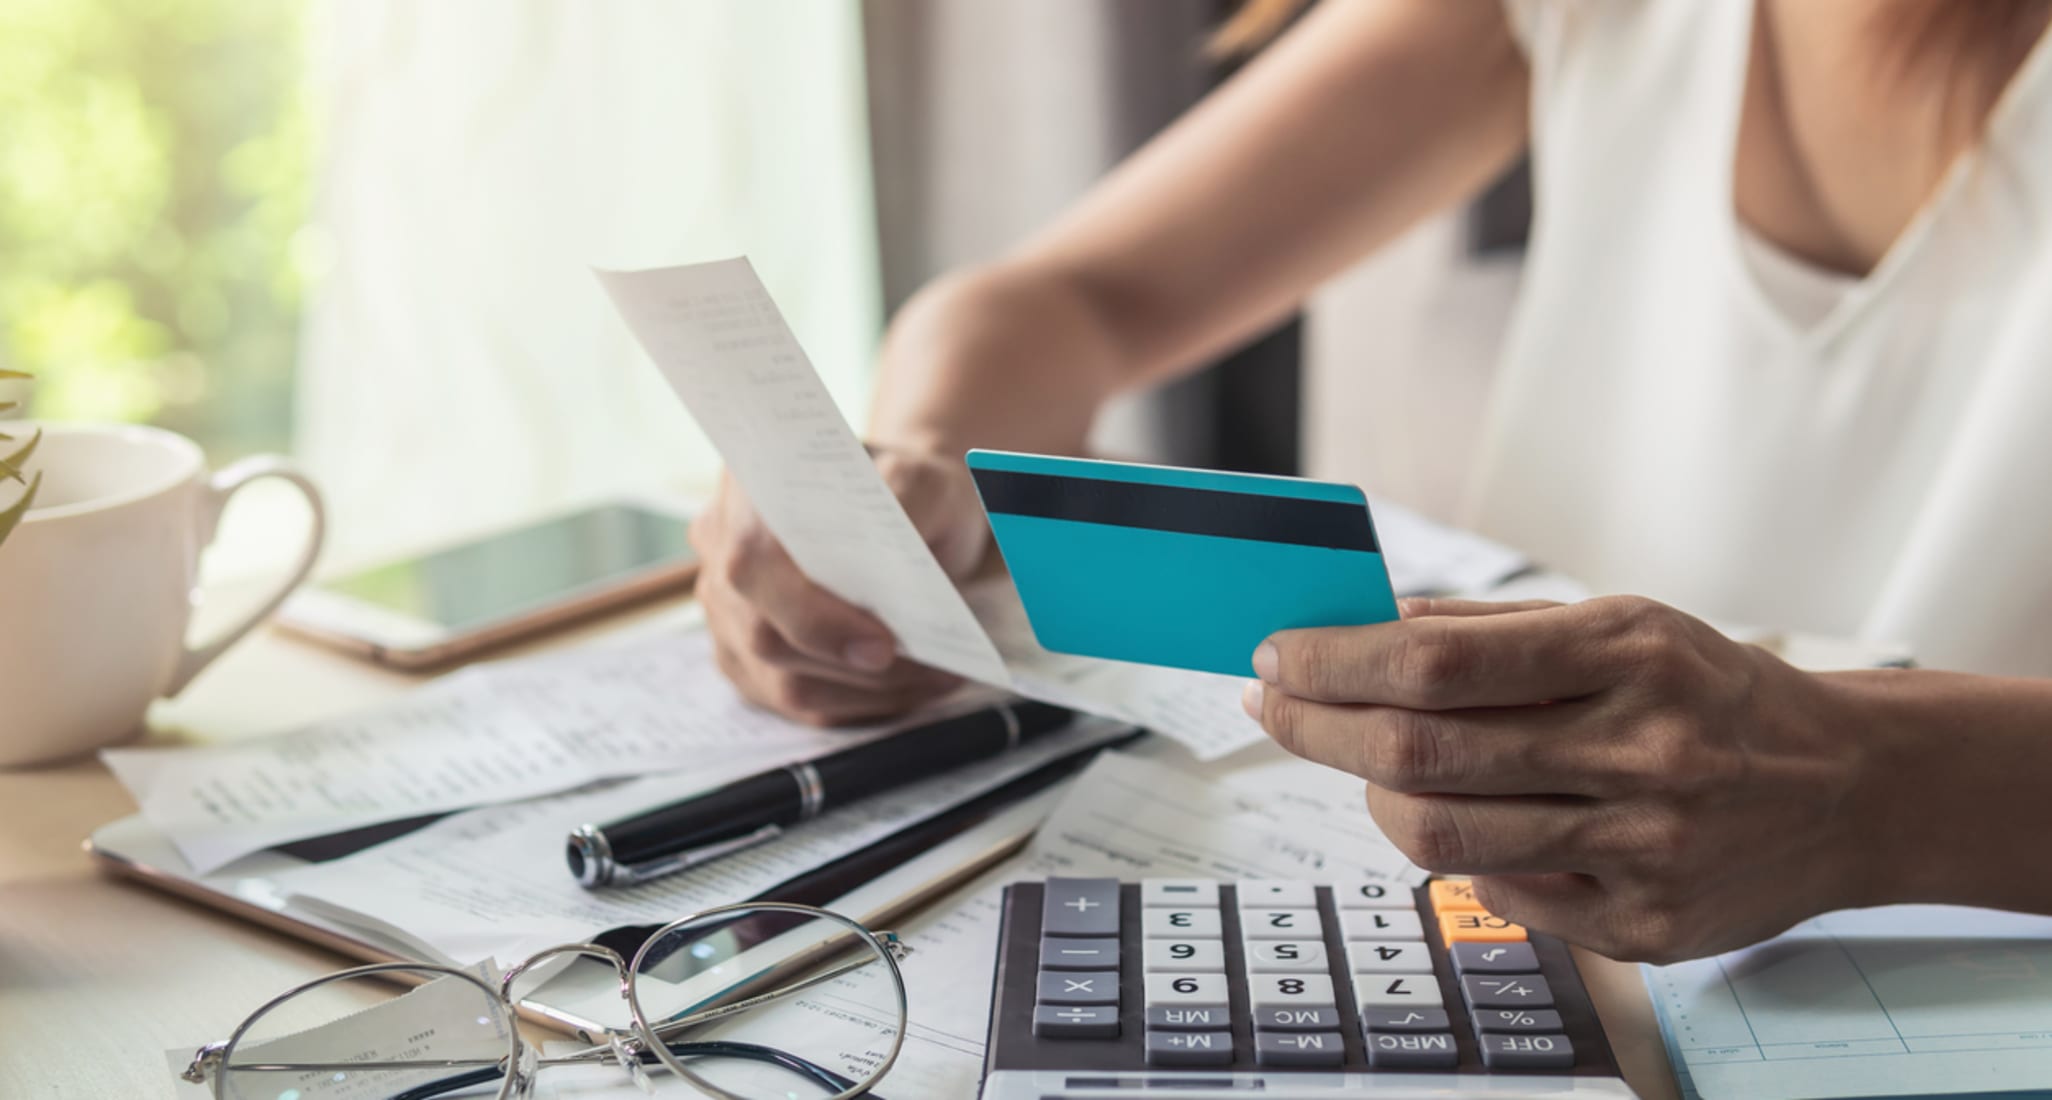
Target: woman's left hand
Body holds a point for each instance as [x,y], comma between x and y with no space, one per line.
[1613,772]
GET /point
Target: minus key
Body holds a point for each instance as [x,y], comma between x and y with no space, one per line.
[1064,953]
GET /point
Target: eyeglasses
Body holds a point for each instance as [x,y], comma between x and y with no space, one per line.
[352,1036]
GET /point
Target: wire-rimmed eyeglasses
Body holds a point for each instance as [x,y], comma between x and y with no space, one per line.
[692,997]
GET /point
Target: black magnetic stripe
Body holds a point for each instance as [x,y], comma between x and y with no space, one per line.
[1329,523]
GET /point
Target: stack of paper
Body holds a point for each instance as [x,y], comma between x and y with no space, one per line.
[491,883]
[494,733]
[1130,816]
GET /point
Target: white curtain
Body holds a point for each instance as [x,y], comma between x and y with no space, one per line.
[460,368]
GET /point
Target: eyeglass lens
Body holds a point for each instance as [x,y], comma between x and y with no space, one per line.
[338,1040]
[815,1003]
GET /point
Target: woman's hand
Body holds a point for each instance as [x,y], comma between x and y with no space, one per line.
[1614,772]
[796,648]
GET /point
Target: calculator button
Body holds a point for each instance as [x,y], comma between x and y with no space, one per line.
[1479,928]
[1396,991]
[1080,907]
[1494,958]
[1276,894]
[1287,957]
[1454,895]
[1518,1021]
[1179,924]
[1076,1022]
[1057,953]
[1187,1018]
[1183,957]
[1400,1051]
[1508,991]
[1317,1048]
[1382,924]
[1403,1019]
[1189,1048]
[1184,990]
[1278,924]
[1296,1019]
[1066,988]
[1178,893]
[1373,895]
[1371,957]
[1289,990]
[1527,1052]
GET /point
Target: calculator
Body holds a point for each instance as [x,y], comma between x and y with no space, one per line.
[1197,988]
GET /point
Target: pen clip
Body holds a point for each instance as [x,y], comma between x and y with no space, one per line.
[625,874]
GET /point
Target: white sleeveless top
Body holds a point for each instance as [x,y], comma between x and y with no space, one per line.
[1676,417]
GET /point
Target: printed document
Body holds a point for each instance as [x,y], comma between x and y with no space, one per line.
[1905,1000]
[492,883]
[493,733]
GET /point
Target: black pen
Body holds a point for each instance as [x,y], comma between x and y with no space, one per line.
[749,811]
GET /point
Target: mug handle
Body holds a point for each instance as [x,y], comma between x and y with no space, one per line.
[221,486]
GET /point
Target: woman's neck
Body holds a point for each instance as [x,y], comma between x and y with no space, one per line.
[1854,111]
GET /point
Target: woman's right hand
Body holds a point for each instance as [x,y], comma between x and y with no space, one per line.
[795,648]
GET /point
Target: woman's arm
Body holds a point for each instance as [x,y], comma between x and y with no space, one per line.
[1363,119]
[1963,793]
[1358,123]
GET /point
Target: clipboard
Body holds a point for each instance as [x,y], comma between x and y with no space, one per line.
[876,885]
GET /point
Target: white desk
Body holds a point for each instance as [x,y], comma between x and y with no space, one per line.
[98,977]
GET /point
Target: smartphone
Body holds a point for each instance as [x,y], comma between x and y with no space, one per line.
[453,602]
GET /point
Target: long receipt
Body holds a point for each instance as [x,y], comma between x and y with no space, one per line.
[718,339]
[723,346]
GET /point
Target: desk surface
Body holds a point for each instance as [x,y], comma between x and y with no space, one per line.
[98,977]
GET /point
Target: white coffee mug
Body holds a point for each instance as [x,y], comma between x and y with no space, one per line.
[99,582]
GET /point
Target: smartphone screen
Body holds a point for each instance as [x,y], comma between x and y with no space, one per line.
[505,575]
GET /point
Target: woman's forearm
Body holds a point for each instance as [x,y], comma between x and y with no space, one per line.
[1360,122]
[1003,357]
[1962,798]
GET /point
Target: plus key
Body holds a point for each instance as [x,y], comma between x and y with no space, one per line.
[1080,907]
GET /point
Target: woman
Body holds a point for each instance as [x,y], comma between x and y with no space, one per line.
[1781,356]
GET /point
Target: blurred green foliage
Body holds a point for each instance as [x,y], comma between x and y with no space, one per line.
[154,162]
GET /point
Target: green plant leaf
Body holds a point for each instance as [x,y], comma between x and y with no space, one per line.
[14,512]
[11,465]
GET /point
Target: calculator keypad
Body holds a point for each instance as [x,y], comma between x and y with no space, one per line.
[1294,974]
[1079,925]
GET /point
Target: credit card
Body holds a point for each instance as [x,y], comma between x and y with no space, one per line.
[1178,567]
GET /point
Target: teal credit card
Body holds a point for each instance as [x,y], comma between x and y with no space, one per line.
[1187,568]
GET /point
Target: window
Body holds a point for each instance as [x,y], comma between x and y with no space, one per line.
[361,230]
[153,187]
